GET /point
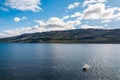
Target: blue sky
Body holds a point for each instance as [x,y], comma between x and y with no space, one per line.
[30,16]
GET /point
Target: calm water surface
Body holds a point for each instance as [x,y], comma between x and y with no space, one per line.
[59,61]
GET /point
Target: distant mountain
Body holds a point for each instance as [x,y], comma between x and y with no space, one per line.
[70,36]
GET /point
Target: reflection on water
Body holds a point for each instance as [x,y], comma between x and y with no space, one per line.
[59,61]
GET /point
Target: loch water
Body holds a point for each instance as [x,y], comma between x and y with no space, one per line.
[59,61]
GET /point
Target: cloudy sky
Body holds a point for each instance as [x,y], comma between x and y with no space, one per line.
[29,16]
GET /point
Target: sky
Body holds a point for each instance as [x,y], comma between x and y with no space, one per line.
[30,16]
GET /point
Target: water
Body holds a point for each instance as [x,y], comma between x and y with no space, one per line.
[59,61]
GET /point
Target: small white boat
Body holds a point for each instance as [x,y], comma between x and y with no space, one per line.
[85,67]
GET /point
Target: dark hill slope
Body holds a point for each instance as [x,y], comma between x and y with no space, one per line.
[70,36]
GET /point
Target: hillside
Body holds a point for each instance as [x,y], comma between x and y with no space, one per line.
[70,36]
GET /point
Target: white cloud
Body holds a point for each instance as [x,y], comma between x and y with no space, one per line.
[98,11]
[76,14]
[74,5]
[19,31]
[66,17]
[55,23]
[93,27]
[18,19]
[105,21]
[52,24]
[106,25]
[88,2]
[24,5]
[116,16]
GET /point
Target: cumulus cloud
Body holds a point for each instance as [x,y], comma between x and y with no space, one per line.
[76,14]
[91,27]
[19,31]
[116,16]
[88,2]
[98,11]
[24,5]
[66,17]
[106,25]
[74,5]
[105,21]
[55,23]
[18,19]
[52,24]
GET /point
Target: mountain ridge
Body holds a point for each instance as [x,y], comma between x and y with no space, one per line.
[68,36]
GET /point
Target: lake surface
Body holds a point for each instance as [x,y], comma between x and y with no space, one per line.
[59,61]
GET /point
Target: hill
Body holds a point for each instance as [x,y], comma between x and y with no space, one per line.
[70,36]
